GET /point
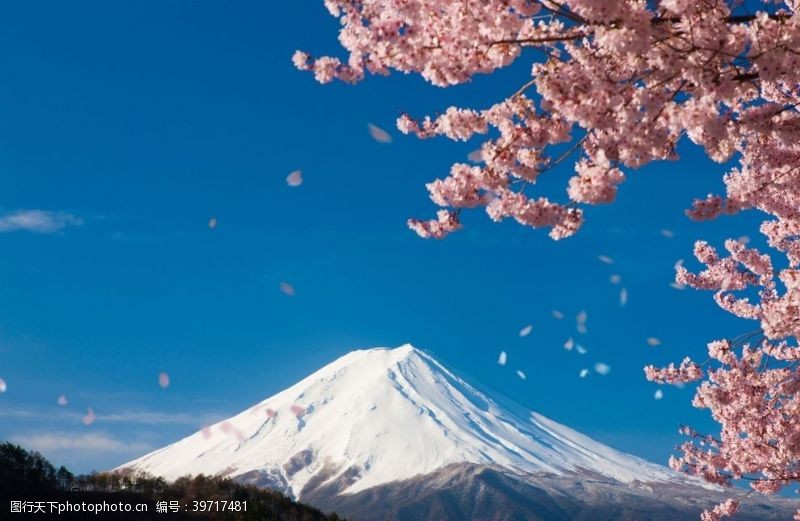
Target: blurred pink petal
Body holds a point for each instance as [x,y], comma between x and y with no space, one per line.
[3,386]
[623,297]
[653,341]
[615,279]
[502,358]
[580,321]
[206,430]
[295,178]
[525,331]
[378,134]
[476,156]
[605,259]
[580,349]
[677,286]
[569,344]
[62,400]
[669,234]
[287,288]
[602,368]
[89,418]
[297,410]
[163,380]
[584,373]
[658,394]
[271,413]
[521,374]
[678,263]
[212,223]
[229,428]
[744,239]
[557,314]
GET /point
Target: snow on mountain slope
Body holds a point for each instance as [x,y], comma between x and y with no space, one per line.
[381,415]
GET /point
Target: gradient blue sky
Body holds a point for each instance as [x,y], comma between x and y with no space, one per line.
[144,119]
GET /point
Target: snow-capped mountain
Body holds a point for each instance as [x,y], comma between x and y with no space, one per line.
[382,415]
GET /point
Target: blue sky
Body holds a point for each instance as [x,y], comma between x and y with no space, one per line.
[133,123]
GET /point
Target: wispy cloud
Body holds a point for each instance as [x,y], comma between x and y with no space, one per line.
[84,442]
[132,417]
[38,221]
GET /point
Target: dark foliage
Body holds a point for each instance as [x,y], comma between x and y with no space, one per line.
[28,476]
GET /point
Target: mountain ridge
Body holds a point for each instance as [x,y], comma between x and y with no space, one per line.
[381,415]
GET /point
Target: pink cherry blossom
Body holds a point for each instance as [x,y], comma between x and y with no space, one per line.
[616,85]
[163,380]
[295,178]
[62,400]
[89,417]
[378,134]
[287,288]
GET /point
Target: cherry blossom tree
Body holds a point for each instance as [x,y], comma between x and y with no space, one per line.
[615,85]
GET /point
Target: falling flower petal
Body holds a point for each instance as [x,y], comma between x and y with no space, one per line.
[615,279]
[287,288]
[3,386]
[212,223]
[581,322]
[602,368]
[744,239]
[677,286]
[623,297]
[62,400]
[569,344]
[521,374]
[678,263]
[584,373]
[502,358]
[653,341]
[89,418]
[580,349]
[476,156]
[525,331]
[605,259]
[297,410]
[557,314]
[659,394]
[295,178]
[378,134]
[163,380]
[271,413]
[232,430]
[669,234]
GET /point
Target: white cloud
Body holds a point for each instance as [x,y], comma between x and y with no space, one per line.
[49,443]
[132,417]
[38,221]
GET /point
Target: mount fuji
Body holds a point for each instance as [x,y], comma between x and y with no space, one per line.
[393,434]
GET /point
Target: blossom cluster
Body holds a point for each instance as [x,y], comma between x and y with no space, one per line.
[615,84]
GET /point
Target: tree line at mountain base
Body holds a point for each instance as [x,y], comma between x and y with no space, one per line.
[28,476]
